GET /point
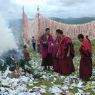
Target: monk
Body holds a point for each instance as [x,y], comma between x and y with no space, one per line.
[46,42]
[85,70]
[63,54]
[26,54]
[26,65]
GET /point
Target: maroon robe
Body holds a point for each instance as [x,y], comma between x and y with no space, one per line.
[56,65]
[85,70]
[88,40]
[46,50]
[62,63]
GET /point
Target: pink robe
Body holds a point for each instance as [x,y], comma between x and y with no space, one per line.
[46,50]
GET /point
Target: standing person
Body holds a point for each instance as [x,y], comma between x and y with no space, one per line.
[46,42]
[85,70]
[26,65]
[26,53]
[63,53]
[34,43]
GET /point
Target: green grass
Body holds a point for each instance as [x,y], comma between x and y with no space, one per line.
[90,90]
[47,93]
[40,81]
[58,82]
[75,90]
[48,84]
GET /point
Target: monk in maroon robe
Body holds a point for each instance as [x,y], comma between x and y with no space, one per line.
[46,42]
[63,53]
[27,58]
[85,70]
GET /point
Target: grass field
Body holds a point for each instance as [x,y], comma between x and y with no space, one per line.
[49,83]
[89,86]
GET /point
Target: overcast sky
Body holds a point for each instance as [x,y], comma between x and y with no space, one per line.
[11,9]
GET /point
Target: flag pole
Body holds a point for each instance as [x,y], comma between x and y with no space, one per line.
[38,35]
[23,9]
[38,16]
[23,24]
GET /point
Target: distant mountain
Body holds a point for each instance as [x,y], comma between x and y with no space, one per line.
[16,24]
[74,20]
[17,27]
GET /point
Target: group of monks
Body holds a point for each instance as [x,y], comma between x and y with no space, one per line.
[59,53]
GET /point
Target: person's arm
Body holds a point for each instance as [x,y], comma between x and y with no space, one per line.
[29,54]
[68,52]
[84,51]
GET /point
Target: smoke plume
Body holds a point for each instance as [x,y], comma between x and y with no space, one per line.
[7,40]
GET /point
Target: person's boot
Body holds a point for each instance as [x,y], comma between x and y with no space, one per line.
[45,68]
[49,68]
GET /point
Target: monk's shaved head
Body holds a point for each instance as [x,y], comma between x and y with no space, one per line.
[59,31]
[80,36]
[47,29]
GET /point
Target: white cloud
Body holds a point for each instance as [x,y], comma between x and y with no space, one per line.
[9,10]
[50,8]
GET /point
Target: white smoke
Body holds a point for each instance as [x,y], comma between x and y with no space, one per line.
[7,40]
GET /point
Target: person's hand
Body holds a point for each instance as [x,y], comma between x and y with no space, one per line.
[57,55]
[45,42]
[52,44]
[68,54]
